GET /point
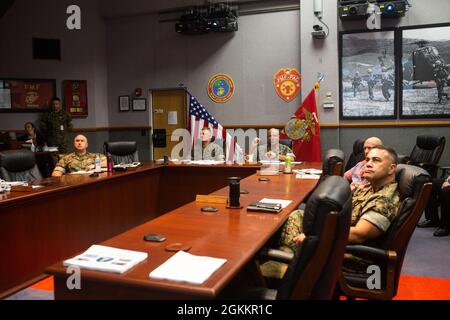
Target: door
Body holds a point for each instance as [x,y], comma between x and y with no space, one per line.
[169,114]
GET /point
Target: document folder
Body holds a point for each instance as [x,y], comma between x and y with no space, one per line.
[264,207]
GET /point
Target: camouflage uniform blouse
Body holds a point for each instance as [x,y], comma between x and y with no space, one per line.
[263,149]
[379,208]
[72,162]
[51,124]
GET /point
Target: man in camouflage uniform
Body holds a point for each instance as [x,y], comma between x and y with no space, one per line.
[80,160]
[374,207]
[441,77]
[206,149]
[271,150]
[55,124]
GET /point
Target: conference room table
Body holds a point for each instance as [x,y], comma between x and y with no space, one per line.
[70,213]
[232,234]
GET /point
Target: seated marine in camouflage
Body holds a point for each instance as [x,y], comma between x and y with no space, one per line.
[272,149]
[206,149]
[374,207]
[80,160]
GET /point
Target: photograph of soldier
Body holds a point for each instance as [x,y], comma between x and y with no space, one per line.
[387,83]
[368,75]
[56,125]
[371,81]
[356,82]
[441,78]
[426,72]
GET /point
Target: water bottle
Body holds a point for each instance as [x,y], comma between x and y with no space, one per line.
[288,164]
[109,161]
[98,166]
[233,200]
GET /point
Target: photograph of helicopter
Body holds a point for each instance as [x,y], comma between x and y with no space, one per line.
[367,75]
[425,73]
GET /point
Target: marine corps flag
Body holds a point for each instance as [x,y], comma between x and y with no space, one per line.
[303,128]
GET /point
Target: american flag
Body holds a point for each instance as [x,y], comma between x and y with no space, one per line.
[200,118]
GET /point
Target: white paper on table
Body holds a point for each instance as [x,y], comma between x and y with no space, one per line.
[307,176]
[207,162]
[16,183]
[309,171]
[284,203]
[102,258]
[172,118]
[187,267]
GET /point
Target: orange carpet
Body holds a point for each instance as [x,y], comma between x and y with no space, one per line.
[46,284]
[423,288]
[410,288]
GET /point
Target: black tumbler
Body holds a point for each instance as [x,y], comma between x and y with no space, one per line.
[235,191]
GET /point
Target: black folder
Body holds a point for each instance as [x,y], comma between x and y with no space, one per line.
[264,207]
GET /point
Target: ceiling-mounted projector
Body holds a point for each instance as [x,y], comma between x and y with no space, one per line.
[357,9]
[219,17]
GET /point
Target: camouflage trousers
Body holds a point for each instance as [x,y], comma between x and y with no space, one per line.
[291,228]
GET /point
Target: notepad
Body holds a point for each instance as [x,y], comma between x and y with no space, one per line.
[108,259]
[187,267]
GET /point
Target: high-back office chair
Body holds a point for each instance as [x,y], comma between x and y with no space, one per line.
[389,251]
[286,142]
[426,153]
[122,151]
[356,155]
[333,163]
[315,267]
[18,165]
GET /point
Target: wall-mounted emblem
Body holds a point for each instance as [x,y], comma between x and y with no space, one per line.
[287,83]
[220,88]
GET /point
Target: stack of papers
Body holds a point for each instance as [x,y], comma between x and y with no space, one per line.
[188,268]
[107,259]
[128,165]
[283,203]
[308,173]
[205,162]
[88,172]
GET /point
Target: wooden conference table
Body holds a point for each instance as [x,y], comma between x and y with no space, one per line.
[233,234]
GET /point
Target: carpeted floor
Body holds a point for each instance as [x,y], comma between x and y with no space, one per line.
[425,272]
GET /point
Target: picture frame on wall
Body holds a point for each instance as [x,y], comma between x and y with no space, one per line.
[75,98]
[367,75]
[139,104]
[124,103]
[26,95]
[425,74]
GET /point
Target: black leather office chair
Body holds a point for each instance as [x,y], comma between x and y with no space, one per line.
[389,251]
[356,155]
[286,142]
[333,163]
[426,153]
[18,165]
[122,151]
[315,267]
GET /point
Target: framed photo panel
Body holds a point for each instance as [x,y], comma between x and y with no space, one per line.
[75,98]
[425,77]
[124,103]
[139,104]
[368,75]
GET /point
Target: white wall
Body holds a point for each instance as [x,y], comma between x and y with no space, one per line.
[83,55]
[145,53]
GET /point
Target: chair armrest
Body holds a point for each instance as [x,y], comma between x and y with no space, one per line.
[275,254]
[403,158]
[369,252]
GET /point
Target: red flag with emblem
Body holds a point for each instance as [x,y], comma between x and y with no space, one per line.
[304,130]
